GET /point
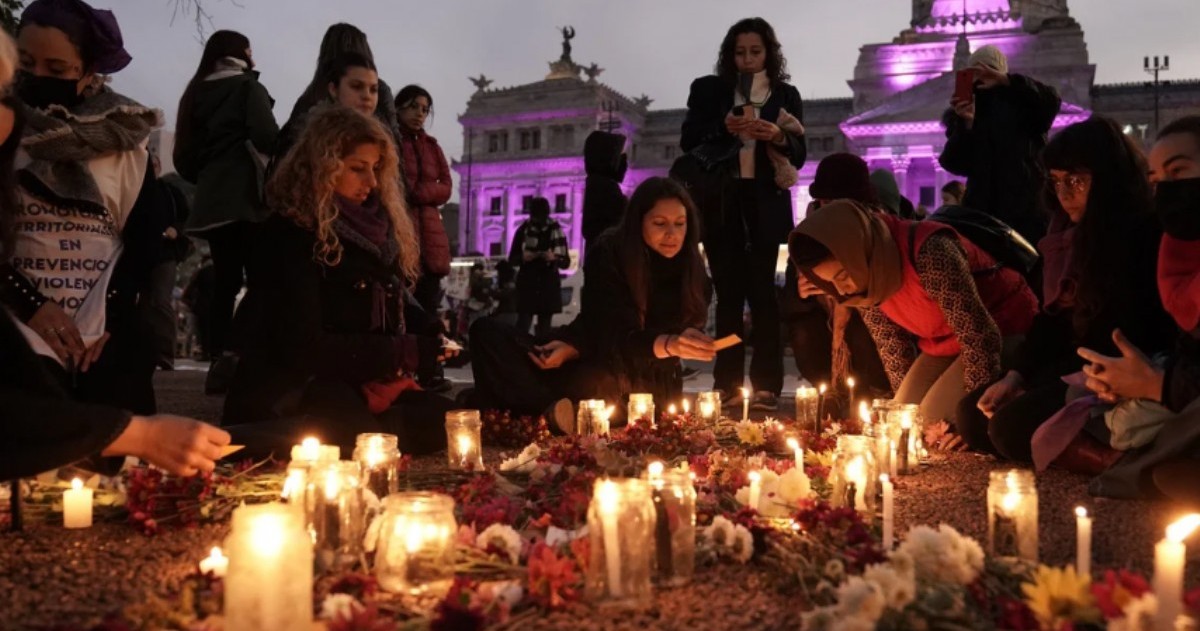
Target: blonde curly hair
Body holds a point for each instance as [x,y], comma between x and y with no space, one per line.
[302,188]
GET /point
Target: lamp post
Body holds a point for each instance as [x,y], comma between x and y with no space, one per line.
[1154,70]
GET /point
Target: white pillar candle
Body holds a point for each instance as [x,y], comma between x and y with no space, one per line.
[215,562]
[687,406]
[77,505]
[755,488]
[745,404]
[1169,560]
[820,407]
[269,584]
[889,516]
[609,500]
[1083,542]
[794,445]
[892,459]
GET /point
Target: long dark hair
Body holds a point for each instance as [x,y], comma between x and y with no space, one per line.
[634,255]
[220,45]
[776,64]
[1119,203]
[339,38]
[344,63]
[410,92]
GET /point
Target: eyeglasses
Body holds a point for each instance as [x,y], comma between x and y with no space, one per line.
[1073,183]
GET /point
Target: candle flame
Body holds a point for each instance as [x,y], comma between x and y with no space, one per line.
[292,484]
[686,406]
[76,484]
[655,469]
[1010,501]
[608,497]
[754,477]
[671,410]
[216,554]
[310,449]
[850,382]
[864,412]
[793,444]
[821,389]
[906,420]
[745,392]
[1183,528]
[333,485]
[884,478]
[855,469]
[1080,511]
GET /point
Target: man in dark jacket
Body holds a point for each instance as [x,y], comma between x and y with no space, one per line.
[603,201]
[995,140]
[539,250]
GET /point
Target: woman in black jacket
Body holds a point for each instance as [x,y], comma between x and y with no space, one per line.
[328,340]
[643,306]
[1099,274]
[735,120]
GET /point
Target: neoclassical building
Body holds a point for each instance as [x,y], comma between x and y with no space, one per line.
[527,140]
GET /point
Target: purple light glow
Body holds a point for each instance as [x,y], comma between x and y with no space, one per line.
[526,117]
[1069,114]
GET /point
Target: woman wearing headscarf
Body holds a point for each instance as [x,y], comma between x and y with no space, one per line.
[85,209]
[922,283]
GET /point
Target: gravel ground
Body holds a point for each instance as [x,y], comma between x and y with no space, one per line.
[51,576]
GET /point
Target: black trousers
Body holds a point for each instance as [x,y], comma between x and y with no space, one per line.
[428,292]
[230,246]
[544,319]
[123,376]
[810,335]
[336,413]
[157,308]
[1009,432]
[505,377]
[743,271]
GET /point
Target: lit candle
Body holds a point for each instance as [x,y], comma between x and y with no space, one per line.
[77,505]
[794,445]
[892,459]
[641,405]
[293,485]
[1169,560]
[850,387]
[465,444]
[755,488]
[906,453]
[671,411]
[1083,542]
[268,586]
[745,404]
[864,413]
[216,562]
[687,406]
[609,504]
[309,450]
[603,426]
[856,473]
[820,407]
[708,405]
[888,510]
[463,447]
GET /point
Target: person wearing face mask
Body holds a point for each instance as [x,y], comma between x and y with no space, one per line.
[605,161]
[224,130]
[352,82]
[1099,260]
[86,208]
[330,345]
[738,122]
[994,140]
[643,307]
[917,282]
[539,251]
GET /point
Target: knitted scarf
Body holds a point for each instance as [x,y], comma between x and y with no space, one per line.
[61,141]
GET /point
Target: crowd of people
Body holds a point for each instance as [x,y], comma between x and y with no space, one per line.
[1049,310]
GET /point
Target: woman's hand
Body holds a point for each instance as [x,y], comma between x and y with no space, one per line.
[691,344]
[59,331]
[450,349]
[807,288]
[181,446]
[765,131]
[989,78]
[553,354]
[965,110]
[737,125]
[1001,393]
[92,354]
[1130,376]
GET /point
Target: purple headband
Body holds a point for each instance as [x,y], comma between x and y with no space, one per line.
[101,36]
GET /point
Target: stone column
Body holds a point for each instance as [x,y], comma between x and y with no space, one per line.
[900,164]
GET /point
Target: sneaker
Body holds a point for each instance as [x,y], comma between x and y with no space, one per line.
[731,400]
[562,415]
[764,401]
[690,373]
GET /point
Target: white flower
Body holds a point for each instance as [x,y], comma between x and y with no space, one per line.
[768,496]
[507,592]
[898,587]
[720,532]
[943,555]
[901,561]
[858,597]
[523,462]
[1139,614]
[337,606]
[503,538]
[794,486]
[742,547]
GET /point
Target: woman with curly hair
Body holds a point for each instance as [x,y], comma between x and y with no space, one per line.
[743,123]
[329,343]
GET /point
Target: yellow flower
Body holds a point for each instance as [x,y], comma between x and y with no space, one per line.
[819,458]
[750,433]
[1059,595]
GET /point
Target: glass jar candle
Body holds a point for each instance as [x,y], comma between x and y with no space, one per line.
[807,400]
[592,418]
[1013,515]
[674,497]
[463,444]
[621,529]
[378,457]
[335,501]
[853,475]
[708,407]
[269,581]
[906,428]
[880,436]
[415,554]
[641,408]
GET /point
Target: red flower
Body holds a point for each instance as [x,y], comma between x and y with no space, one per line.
[456,611]
[364,618]
[360,586]
[1116,591]
[553,580]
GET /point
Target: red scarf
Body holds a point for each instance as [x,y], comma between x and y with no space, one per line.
[1179,280]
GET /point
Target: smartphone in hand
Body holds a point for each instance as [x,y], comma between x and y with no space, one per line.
[964,85]
[739,110]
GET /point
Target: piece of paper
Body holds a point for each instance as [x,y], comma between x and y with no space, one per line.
[230,449]
[726,342]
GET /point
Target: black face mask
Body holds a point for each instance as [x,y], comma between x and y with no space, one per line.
[1178,205]
[42,92]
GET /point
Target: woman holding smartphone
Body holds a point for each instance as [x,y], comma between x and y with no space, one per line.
[329,337]
[737,120]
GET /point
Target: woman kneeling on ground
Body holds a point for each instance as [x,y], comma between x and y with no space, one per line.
[922,282]
[326,321]
[643,306]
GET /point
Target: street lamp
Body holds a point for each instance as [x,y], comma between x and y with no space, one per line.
[1154,70]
